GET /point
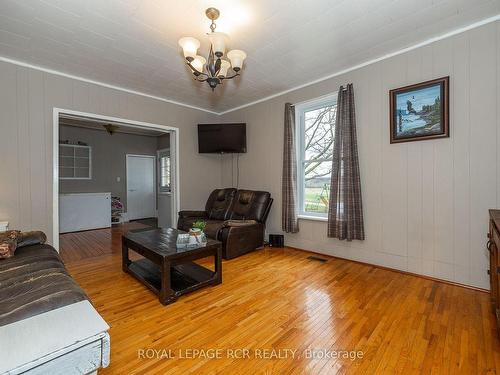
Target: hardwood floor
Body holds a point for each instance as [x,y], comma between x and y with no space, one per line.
[278,299]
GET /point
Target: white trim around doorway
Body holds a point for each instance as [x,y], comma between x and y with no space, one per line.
[176,200]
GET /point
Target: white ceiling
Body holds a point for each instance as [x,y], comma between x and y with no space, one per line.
[133,43]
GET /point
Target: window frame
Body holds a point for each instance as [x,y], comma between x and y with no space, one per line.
[74,157]
[164,153]
[300,109]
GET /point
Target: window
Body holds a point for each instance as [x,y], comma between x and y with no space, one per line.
[165,170]
[75,162]
[315,136]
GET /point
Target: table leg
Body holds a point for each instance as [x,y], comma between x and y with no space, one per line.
[218,266]
[166,294]
[125,259]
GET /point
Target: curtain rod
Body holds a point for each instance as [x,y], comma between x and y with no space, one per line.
[333,94]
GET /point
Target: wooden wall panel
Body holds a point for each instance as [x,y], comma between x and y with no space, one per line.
[443,174]
[27,99]
[394,168]
[9,143]
[430,197]
[23,152]
[482,142]
[39,178]
[415,176]
[461,158]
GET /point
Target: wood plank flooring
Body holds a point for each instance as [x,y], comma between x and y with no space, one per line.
[278,299]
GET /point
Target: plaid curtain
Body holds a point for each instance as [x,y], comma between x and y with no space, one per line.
[345,211]
[289,222]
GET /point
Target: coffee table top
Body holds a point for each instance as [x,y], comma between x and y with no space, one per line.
[163,242]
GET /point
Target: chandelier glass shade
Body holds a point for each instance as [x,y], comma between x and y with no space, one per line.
[219,66]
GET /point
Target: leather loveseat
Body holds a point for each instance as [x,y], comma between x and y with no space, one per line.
[34,281]
[40,303]
[235,217]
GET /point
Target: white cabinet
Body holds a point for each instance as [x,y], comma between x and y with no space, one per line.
[84,211]
[72,339]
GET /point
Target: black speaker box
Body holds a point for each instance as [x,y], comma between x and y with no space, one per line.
[276,240]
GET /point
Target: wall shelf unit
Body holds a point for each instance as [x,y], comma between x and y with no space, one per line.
[75,162]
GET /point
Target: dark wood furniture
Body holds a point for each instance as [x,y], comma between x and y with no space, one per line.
[493,247]
[166,270]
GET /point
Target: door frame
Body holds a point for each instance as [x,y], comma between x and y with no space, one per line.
[174,152]
[127,156]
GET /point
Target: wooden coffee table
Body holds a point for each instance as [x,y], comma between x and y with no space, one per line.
[166,270]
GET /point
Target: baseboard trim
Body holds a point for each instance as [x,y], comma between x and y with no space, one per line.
[395,270]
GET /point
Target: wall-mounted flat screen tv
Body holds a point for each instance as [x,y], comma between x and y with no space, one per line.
[222,138]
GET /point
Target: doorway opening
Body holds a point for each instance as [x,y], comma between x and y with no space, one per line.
[109,171]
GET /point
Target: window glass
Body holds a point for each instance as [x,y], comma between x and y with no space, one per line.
[316,131]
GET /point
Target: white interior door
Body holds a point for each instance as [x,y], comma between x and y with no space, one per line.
[141,187]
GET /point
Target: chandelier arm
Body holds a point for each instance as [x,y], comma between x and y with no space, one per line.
[230,77]
[195,70]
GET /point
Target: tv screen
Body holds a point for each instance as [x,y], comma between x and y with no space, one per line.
[222,138]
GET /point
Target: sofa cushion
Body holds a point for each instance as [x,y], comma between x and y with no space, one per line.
[35,281]
[250,205]
[219,202]
[211,230]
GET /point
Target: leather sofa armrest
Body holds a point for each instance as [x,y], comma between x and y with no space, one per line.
[239,223]
[200,214]
[238,240]
[246,228]
[31,238]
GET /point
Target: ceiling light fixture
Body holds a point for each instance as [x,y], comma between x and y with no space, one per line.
[110,128]
[215,70]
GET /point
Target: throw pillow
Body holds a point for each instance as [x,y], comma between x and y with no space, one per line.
[8,243]
[7,248]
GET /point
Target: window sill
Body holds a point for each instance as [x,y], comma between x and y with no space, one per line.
[313,218]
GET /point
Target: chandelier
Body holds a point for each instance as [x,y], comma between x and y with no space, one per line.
[214,70]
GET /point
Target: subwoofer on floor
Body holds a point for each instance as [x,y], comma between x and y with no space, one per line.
[276,240]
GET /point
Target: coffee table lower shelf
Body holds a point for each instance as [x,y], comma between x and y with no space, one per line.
[184,278]
[168,271]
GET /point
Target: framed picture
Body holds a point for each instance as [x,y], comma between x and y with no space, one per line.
[419,112]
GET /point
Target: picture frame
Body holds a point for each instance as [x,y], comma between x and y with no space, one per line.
[420,112]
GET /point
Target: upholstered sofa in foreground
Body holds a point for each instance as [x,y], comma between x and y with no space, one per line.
[47,322]
[235,217]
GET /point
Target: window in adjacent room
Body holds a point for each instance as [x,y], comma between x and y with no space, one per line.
[164,160]
[315,134]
